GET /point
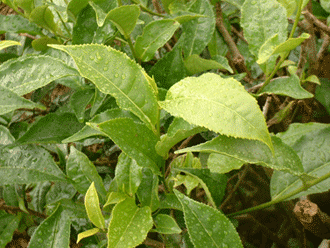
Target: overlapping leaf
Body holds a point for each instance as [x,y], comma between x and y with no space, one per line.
[28,164]
[206,226]
[221,105]
[129,224]
[154,36]
[313,148]
[287,86]
[53,232]
[198,33]
[7,43]
[17,24]
[262,20]
[135,139]
[116,74]
[87,131]
[252,151]
[34,72]
[10,101]
[83,172]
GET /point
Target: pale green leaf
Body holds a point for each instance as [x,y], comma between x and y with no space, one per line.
[154,36]
[325,5]
[221,163]
[195,64]
[92,206]
[43,17]
[28,164]
[221,105]
[28,73]
[252,151]
[53,232]
[125,18]
[83,172]
[128,175]
[6,137]
[10,101]
[198,33]
[261,20]
[185,16]
[87,131]
[116,74]
[206,226]
[87,233]
[52,128]
[148,190]
[298,130]
[286,86]
[135,139]
[289,5]
[271,46]
[114,198]
[313,148]
[312,78]
[17,24]
[165,224]
[177,131]
[102,9]
[129,224]
[7,43]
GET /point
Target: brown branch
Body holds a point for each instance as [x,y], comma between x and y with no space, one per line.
[312,218]
[313,20]
[17,209]
[153,243]
[238,59]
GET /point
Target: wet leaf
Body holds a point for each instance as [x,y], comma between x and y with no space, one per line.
[165,224]
[8,224]
[219,104]
[17,24]
[129,224]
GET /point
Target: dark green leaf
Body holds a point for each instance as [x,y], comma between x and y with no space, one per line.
[165,224]
[79,101]
[59,191]
[8,224]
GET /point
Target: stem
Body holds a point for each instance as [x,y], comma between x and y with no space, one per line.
[119,3]
[150,11]
[65,27]
[132,48]
[287,53]
[304,187]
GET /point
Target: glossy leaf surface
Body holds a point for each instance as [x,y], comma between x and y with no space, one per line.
[10,101]
[92,206]
[79,101]
[43,17]
[287,86]
[268,19]
[34,72]
[154,36]
[87,131]
[148,190]
[87,233]
[17,24]
[198,33]
[221,105]
[28,164]
[177,131]
[165,224]
[83,172]
[129,224]
[142,141]
[53,232]
[124,22]
[206,226]
[52,128]
[128,174]
[251,151]
[195,64]
[298,130]
[116,74]
[313,148]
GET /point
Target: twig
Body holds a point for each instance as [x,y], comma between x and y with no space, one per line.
[153,243]
[312,218]
[238,59]
[17,209]
[313,20]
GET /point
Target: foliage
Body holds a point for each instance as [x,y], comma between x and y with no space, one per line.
[129,80]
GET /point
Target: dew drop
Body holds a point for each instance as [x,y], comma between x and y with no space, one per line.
[116,75]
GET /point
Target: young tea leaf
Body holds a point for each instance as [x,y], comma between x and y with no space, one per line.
[93,208]
[221,105]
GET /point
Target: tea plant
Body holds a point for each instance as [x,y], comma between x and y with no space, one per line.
[130,80]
